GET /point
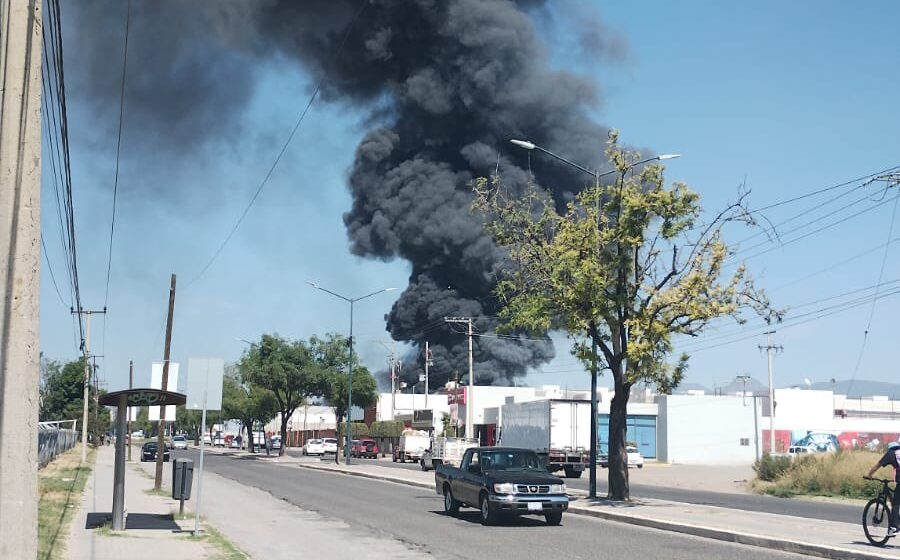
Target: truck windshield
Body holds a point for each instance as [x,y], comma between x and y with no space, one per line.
[510,461]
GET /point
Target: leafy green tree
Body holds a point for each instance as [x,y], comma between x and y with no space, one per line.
[332,353]
[248,403]
[624,267]
[287,369]
[62,396]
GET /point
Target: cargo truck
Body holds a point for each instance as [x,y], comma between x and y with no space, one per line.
[559,431]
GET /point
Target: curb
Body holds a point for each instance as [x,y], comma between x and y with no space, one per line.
[761,541]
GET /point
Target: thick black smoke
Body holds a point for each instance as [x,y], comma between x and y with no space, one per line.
[449,82]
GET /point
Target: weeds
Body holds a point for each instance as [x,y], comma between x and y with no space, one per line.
[60,486]
[820,474]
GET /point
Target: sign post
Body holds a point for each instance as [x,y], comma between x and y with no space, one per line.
[204,392]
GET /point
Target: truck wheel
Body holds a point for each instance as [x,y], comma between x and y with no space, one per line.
[553,518]
[451,506]
[488,515]
[572,473]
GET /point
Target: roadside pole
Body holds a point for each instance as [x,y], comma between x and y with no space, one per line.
[160,436]
[200,471]
[118,505]
[204,392]
[20,245]
[130,386]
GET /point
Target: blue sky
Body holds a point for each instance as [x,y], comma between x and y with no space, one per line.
[790,97]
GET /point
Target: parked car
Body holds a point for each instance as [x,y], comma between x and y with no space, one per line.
[137,434]
[364,448]
[330,444]
[219,440]
[314,447]
[207,440]
[148,452]
[635,459]
[502,480]
[236,443]
[179,442]
[275,443]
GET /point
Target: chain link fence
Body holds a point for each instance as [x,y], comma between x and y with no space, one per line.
[54,439]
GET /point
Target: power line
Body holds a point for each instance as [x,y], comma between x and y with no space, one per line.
[52,276]
[862,348]
[284,147]
[112,223]
[824,190]
[818,230]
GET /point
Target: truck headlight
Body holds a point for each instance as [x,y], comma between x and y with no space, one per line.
[558,488]
[505,488]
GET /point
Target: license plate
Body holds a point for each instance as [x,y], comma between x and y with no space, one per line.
[535,506]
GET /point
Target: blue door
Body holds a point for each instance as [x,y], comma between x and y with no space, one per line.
[640,429]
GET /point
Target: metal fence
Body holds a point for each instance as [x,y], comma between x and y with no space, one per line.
[54,439]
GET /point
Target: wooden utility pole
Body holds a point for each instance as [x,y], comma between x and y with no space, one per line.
[20,250]
[130,386]
[161,435]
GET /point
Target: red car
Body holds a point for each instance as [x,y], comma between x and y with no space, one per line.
[366,448]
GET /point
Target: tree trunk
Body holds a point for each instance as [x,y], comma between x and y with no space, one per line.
[284,423]
[618,458]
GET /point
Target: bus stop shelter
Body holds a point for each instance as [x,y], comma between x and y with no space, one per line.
[122,400]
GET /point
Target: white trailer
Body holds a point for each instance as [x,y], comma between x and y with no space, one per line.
[446,451]
[557,430]
[413,443]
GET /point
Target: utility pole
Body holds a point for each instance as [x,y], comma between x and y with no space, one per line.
[770,349]
[744,379]
[86,353]
[427,363]
[470,429]
[161,436]
[20,247]
[130,386]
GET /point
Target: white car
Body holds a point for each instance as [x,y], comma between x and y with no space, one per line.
[207,440]
[330,444]
[314,447]
[235,443]
[179,442]
[635,459]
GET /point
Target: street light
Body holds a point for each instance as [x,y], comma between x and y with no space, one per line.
[351,301]
[530,146]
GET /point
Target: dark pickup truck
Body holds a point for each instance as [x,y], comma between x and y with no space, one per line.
[502,480]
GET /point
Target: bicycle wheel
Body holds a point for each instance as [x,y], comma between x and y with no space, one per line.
[876,521]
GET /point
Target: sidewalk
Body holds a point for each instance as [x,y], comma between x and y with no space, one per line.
[151,533]
[825,539]
[261,525]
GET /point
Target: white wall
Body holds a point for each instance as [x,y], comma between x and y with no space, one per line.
[694,429]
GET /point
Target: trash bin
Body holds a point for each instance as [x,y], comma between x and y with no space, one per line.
[182,478]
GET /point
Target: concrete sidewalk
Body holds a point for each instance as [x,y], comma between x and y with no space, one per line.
[825,539]
[151,532]
[269,528]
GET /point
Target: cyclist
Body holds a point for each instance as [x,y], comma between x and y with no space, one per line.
[892,458]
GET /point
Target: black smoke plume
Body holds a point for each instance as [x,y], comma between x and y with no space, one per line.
[448,82]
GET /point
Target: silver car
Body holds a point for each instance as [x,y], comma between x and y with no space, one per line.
[179,442]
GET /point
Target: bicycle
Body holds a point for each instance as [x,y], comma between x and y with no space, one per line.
[877,514]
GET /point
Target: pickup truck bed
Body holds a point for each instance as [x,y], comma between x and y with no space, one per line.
[501,481]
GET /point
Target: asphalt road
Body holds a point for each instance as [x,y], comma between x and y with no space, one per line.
[415,517]
[846,513]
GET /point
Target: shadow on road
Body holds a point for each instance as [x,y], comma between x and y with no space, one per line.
[474,517]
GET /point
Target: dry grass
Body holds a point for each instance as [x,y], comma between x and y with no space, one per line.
[60,486]
[827,474]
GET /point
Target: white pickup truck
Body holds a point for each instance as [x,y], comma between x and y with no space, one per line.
[446,451]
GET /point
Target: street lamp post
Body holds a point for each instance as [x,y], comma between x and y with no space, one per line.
[351,301]
[596,174]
